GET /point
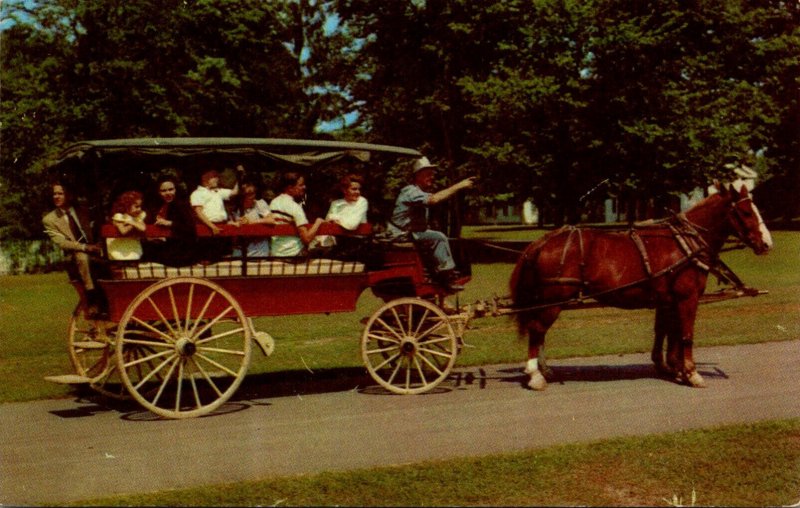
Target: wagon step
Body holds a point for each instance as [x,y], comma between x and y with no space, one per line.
[90,344]
[69,379]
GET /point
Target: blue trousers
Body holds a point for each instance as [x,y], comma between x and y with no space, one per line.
[436,245]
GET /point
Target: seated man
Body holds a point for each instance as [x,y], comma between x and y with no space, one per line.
[287,210]
[410,215]
[70,229]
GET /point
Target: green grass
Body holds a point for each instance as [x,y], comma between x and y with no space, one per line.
[743,465]
[35,310]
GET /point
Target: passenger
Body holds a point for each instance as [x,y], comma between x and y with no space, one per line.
[70,229]
[348,212]
[208,200]
[410,216]
[129,219]
[254,211]
[288,210]
[174,213]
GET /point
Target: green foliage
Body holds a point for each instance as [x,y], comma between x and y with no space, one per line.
[542,98]
[548,98]
[75,70]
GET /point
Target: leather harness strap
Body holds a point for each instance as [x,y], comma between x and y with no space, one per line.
[637,241]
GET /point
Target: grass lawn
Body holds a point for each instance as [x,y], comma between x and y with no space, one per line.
[743,465]
[35,310]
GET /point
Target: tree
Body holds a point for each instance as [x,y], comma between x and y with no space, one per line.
[77,69]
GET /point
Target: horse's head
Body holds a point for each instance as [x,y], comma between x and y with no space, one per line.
[744,218]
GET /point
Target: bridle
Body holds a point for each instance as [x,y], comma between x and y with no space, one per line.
[739,224]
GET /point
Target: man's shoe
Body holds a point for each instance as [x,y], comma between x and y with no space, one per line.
[450,281]
[454,287]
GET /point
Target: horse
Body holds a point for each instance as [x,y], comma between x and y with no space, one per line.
[657,264]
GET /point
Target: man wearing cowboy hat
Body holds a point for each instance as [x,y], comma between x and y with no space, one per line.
[411,216]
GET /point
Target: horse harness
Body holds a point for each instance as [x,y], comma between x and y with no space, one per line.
[685,233]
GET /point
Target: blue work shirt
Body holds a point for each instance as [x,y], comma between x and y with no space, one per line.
[410,211]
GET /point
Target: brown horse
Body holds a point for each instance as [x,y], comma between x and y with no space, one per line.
[662,265]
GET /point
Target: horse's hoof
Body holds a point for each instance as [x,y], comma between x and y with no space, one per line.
[696,380]
[537,382]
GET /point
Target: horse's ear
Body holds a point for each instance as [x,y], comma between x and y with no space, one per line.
[744,191]
[738,193]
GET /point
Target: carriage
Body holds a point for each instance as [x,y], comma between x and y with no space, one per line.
[179,339]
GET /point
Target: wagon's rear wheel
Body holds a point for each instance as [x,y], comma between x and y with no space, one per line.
[409,346]
[183,347]
[90,344]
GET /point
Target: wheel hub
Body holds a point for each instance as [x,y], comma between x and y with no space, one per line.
[408,346]
[185,347]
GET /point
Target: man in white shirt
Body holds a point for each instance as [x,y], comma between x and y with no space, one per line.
[288,210]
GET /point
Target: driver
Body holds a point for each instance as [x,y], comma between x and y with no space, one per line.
[410,216]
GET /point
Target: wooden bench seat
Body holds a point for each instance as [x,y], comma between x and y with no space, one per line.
[132,270]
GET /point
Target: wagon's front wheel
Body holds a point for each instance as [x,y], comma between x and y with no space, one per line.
[409,346]
[183,347]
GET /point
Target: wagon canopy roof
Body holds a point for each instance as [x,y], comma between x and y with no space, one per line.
[301,152]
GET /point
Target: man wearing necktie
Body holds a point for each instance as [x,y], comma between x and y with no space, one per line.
[70,230]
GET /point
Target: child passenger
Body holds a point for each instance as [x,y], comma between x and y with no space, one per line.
[129,219]
[208,200]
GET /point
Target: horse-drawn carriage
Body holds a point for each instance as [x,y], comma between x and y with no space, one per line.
[179,339]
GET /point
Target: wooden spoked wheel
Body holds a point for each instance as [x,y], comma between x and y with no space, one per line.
[183,347]
[91,350]
[409,346]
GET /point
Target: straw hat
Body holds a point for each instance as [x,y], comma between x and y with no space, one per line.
[742,170]
[422,163]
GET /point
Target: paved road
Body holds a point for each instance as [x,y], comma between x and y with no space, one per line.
[65,450]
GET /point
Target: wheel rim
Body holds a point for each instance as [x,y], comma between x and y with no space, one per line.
[409,346]
[190,359]
[91,350]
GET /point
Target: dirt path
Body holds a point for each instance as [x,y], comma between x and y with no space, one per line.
[66,450]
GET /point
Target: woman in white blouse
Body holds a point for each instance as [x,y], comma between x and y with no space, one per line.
[351,210]
[348,212]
